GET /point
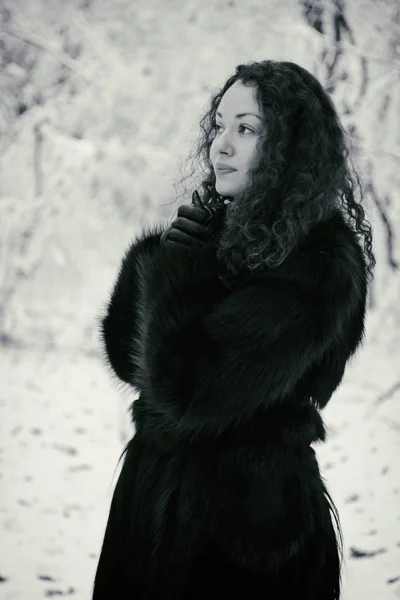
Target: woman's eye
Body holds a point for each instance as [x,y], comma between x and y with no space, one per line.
[245,127]
[217,128]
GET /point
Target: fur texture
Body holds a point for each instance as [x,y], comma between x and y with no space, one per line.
[220,494]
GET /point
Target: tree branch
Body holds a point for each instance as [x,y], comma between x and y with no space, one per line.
[388,394]
[31,38]
[383,397]
[369,188]
[37,157]
[342,45]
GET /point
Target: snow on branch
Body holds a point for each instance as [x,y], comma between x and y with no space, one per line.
[31,38]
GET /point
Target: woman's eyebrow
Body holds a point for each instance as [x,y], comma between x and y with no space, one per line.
[239,116]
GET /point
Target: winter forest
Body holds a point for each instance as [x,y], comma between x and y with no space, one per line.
[100,104]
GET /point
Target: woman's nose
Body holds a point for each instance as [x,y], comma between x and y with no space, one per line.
[225,143]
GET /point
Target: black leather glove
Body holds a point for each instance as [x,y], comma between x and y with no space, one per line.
[195,223]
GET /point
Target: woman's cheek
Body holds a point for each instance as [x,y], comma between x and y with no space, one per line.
[211,154]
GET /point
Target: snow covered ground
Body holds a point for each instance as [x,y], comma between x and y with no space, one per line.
[86,164]
[59,449]
[60,441]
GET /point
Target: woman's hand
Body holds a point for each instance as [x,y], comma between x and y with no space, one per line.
[195,224]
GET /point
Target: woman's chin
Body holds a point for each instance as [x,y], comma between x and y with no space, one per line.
[224,190]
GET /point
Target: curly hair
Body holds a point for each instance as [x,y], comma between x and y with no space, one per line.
[303,172]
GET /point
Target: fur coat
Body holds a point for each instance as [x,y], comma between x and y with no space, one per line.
[220,494]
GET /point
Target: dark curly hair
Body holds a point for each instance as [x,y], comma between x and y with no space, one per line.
[302,175]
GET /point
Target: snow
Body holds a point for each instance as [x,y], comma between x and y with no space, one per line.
[62,434]
[113,95]
[59,451]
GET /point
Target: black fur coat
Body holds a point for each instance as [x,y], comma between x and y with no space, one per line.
[220,494]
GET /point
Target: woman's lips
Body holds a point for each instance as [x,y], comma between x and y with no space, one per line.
[225,171]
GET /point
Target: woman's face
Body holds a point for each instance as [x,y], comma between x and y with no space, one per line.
[239,126]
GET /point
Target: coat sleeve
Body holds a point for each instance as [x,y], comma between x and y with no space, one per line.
[120,321]
[212,367]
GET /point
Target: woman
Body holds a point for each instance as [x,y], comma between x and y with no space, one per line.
[235,324]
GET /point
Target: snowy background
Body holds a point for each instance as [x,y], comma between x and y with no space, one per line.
[99,106]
